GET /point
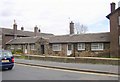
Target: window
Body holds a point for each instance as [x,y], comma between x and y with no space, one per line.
[56,47]
[69,46]
[32,47]
[97,46]
[6,53]
[81,46]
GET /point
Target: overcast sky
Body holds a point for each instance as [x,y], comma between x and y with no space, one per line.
[53,16]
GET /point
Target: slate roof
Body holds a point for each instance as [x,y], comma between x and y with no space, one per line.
[90,37]
[24,33]
[24,40]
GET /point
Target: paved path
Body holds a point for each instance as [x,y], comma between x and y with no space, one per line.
[95,67]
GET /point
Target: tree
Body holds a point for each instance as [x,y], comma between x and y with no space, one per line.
[80,28]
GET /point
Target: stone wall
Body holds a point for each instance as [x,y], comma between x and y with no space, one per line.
[75,52]
[84,53]
[93,60]
[63,51]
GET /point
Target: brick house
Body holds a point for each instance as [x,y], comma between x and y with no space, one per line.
[114,18]
[91,44]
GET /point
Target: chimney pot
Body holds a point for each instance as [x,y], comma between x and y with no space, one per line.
[22,28]
[39,30]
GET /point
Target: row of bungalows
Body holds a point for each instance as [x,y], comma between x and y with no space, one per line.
[91,44]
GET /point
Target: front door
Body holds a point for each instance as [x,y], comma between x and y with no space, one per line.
[69,49]
[42,49]
[26,51]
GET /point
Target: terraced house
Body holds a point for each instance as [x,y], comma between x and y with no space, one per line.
[90,44]
[7,35]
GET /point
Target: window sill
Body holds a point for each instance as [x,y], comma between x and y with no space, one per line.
[96,49]
[81,50]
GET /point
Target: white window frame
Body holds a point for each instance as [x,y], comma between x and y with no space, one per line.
[97,46]
[81,46]
[56,47]
[32,46]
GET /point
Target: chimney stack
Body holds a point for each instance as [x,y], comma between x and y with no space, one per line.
[15,29]
[35,30]
[22,28]
[112,7]
[71,27]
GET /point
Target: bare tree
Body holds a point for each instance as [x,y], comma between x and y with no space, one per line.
[80,28]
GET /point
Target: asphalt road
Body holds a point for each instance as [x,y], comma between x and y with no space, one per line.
[25,72]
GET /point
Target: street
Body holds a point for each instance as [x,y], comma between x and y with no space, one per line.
[26,72]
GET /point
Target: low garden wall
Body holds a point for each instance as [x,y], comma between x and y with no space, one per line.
[93,60]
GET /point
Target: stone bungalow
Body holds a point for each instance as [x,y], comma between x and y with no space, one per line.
[80,44]
[66,45]
[29,45]
[91,44]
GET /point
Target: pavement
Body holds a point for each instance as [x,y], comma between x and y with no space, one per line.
[96,68]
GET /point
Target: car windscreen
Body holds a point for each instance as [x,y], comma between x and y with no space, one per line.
[5,53]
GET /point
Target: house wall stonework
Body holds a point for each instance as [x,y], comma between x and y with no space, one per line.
[118,33]
[63,51]
[6,38]
[27,49]
[114,33]
[78,53]
[48,50]
[88,52]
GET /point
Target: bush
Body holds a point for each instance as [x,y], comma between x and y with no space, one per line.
[18,52]
[13,52]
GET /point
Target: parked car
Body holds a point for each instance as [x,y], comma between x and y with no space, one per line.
[6,59]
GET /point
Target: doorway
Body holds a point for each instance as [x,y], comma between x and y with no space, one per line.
[42,49]
[69,49]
